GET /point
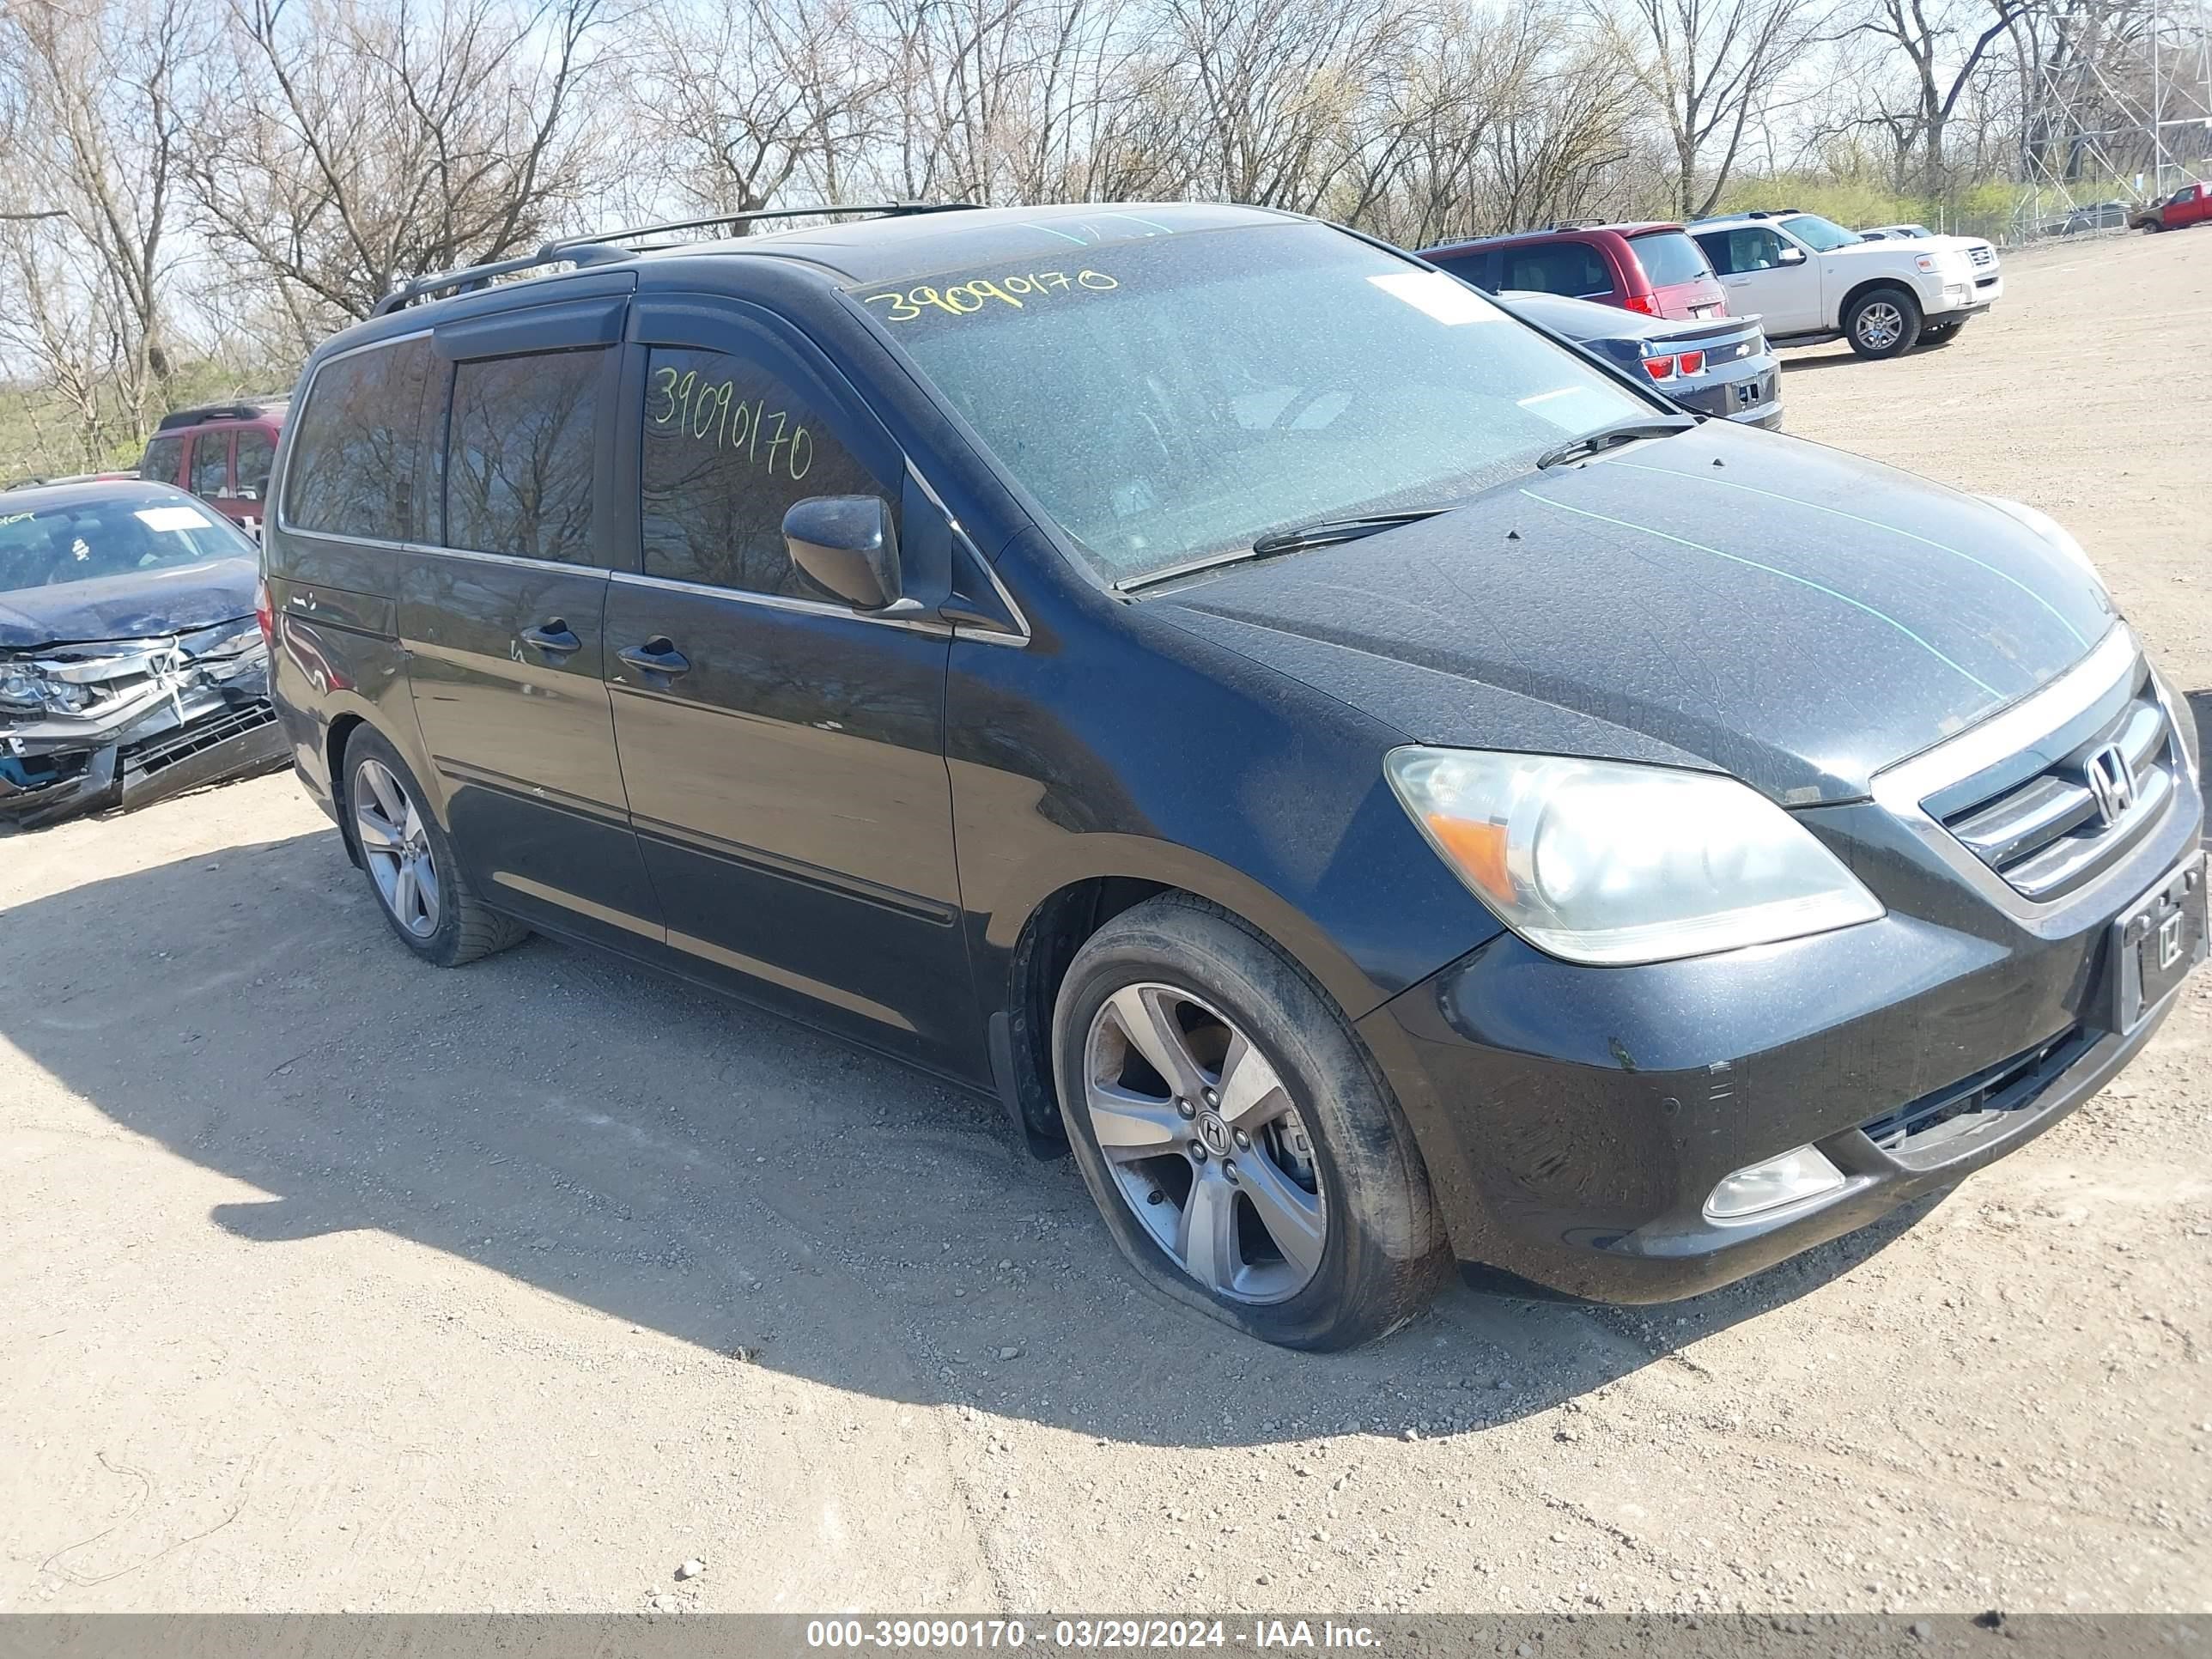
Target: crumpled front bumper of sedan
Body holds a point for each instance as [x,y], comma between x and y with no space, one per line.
[159,718]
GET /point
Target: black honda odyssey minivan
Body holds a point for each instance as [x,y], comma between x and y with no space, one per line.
[1377,787]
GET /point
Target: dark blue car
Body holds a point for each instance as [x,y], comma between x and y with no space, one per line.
[1378,785]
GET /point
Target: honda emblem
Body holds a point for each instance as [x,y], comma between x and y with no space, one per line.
[2111,781]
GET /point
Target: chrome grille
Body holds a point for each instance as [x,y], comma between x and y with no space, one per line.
[2053,829]
[1983,256]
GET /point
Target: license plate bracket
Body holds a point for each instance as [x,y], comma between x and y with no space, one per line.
[2155,942]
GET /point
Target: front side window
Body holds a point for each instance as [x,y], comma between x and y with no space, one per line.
[1821,236]
[728,447]
[1751,247]
[163,457]
[353,444]
[519,453]
[210,463]
[1172,397]
[1574,269]
[255,452]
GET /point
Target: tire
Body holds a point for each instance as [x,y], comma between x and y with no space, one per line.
[1883,322]
[443,922]
[1327,1236]
[1939,336]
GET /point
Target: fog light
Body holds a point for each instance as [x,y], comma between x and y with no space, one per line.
[1797,1175]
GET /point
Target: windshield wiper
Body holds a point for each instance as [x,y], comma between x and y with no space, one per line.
[1321,532]
[1324,532]
[1606,436]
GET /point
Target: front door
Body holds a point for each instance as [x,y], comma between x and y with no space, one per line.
[784,754]
[1786,298]
[502,613]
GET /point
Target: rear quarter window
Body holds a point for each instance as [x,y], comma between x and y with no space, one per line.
[353,454]
[1479,268]
[1670,256]
[163,459]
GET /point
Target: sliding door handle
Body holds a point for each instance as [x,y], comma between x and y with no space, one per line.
[553,637]
[658,655]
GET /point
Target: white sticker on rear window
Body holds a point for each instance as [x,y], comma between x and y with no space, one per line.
[172,518]
[1446,299]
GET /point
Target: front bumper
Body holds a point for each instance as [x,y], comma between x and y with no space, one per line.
[157,741]
[1574,1119]
[1964,298]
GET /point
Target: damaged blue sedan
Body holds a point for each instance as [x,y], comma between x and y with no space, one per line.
[132,665]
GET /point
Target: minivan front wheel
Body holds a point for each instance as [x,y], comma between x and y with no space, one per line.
[1245,1153]
[410,861]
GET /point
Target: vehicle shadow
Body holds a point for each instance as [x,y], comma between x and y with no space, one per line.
[1833,354]
[682,1162]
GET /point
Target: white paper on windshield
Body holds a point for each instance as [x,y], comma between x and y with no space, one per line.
[172,518]
[1444,298]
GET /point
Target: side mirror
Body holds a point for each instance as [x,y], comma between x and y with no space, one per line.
[846,545]
[1792,255]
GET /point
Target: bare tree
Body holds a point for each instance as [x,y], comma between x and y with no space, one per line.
[747,99]
[363,143]
[1945,52]
[1274,87]
[103,126]
[1713,67]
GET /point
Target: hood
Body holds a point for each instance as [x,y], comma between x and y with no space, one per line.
[136,606]
[1727,599]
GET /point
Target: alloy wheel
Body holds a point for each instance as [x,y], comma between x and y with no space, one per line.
[1879,325]
[1205,1143]
[395,841]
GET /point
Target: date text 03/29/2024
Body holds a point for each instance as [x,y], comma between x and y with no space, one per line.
[1088,1634]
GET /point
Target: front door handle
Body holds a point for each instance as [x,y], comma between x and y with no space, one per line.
[553,636]
[658,655]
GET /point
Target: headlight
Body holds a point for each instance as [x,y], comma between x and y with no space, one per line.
[24,687]
[1605,862]
[2052,531]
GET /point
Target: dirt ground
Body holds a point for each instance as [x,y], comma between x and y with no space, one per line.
[332,1281]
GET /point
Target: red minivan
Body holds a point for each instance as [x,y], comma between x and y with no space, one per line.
[220,453]
[1654,269]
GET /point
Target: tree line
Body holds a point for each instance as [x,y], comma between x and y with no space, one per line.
[193,192]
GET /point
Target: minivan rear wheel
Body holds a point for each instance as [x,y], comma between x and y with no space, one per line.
[419,885]
[1246,1153]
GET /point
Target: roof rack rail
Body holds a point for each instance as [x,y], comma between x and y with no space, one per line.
[463,281]
[242,409]
[623,238]
[606,247]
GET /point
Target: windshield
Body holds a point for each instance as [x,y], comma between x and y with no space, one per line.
[1670,256]
[1176,397]
[1819,234]
[84,540]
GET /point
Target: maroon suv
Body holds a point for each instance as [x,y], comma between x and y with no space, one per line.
[220,453]
[1653,269]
